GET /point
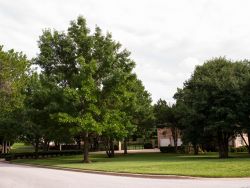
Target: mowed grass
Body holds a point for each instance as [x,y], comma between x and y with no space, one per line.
[21,147]
[208,165]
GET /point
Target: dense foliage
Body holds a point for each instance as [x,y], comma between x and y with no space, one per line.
[13,77]
[85,89]
[215,102]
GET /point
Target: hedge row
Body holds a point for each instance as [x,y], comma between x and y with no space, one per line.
[12,156]
[66,147]
[171,149]
[239,149]
[148,146]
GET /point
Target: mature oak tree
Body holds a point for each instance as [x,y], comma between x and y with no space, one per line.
[94,74]
[213,91]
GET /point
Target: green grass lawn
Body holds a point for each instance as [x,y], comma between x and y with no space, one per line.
[156,163]
[21,147]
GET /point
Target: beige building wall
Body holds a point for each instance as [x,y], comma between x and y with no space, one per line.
[238,141]
[165,137]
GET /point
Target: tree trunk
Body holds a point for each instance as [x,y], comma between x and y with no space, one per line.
[3,146]
[79,144]
[9,147]
[6,147]
[86,148]
[112,148]
[45,145]
[5,150]
[47,148]
[125,145]
[109,147]
[196,149]
[36,148]
[175,137]
[223,139]
[96,144]
[56,145]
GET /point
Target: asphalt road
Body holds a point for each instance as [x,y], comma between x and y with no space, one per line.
[18,176]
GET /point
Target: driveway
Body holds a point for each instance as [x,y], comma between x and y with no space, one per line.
[13,176]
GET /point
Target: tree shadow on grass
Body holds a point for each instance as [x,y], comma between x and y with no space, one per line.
[142,157]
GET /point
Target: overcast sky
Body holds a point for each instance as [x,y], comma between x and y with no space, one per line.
[167,38]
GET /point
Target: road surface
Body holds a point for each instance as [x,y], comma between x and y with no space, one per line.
[13,176]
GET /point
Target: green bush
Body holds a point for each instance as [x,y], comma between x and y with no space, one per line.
[171,149]
[232,149]
[239,149]
[148,146]
[12,156]
[242,149]
[116,147]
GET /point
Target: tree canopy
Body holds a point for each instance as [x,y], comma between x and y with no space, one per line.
[101,93]
[213,93]
[13,76]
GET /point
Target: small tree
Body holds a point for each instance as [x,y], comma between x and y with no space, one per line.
[167,116]
[42,99]
[13,76]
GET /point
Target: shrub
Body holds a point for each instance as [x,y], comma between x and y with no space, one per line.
[148,146]
[116,147]
[12,156]
[239,149]
[171,149]
[232,149]
[242,149]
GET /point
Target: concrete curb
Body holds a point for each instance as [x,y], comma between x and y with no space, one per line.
[150,176]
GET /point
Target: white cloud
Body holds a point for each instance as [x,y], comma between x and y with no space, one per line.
[167,38]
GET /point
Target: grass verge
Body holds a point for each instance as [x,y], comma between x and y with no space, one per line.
[21,147]
[208,165]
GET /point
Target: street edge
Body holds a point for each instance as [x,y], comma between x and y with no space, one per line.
[121,174]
